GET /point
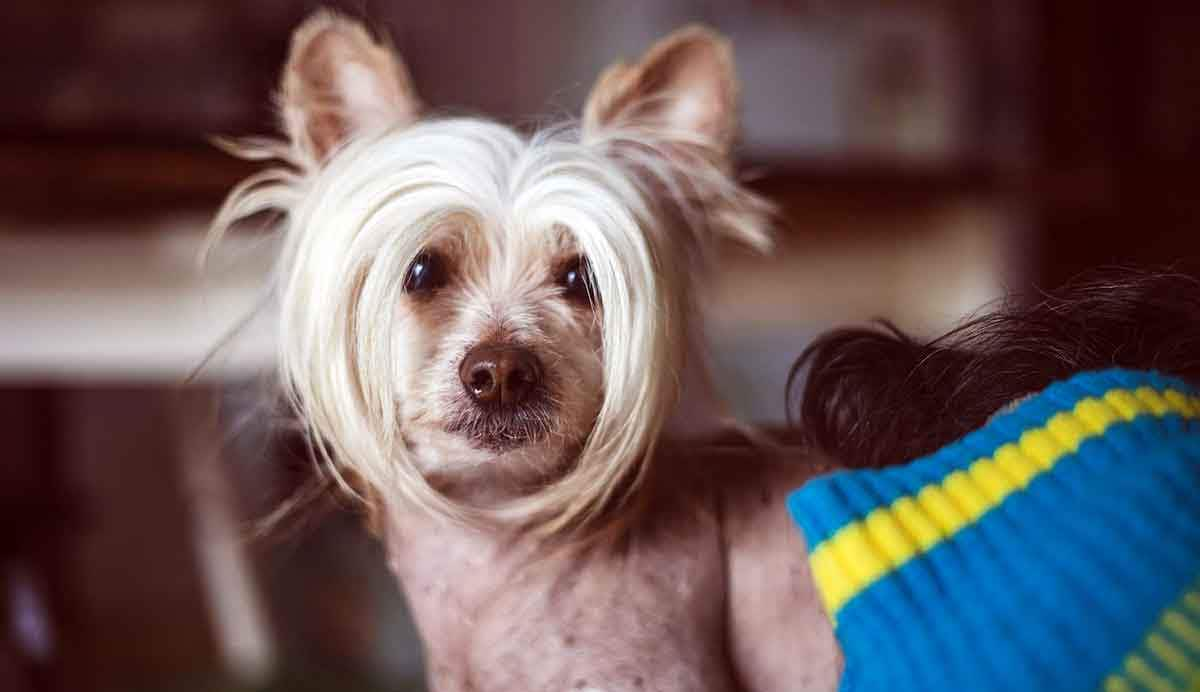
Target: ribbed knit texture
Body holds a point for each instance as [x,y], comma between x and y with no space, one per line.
[1056,548]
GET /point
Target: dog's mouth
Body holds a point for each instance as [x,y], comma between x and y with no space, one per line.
[502,429]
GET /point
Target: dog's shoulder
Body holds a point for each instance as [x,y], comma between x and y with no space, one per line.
[770,593]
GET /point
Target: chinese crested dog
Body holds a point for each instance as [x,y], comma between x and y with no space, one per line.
[492,340]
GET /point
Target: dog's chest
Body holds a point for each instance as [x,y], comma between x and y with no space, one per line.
[496,620]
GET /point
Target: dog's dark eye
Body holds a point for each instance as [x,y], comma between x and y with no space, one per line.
[576,281]
[426,273]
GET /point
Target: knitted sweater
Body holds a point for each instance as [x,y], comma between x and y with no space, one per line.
[1056,548]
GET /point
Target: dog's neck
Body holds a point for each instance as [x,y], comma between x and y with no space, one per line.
[684,603]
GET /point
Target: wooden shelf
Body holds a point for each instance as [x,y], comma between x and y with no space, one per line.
[54,181]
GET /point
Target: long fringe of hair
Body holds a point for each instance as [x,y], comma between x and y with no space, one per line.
[874,396]
[353,226]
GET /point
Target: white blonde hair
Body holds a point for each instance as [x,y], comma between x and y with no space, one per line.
[355,224]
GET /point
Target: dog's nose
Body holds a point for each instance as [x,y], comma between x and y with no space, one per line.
[500,375]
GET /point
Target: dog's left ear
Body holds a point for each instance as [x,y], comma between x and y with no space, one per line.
[340,81]
[684,88]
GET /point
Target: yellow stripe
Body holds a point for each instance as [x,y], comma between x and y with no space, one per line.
[1182,627]
[1180,657]
[1176,660]
[1116,683]
[1141,673]
[864,551]
[1192,602]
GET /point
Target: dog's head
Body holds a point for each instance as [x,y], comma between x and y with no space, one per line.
[467,307]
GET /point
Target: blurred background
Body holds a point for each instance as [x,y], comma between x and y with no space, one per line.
[928,157]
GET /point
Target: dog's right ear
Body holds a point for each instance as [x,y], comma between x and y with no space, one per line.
[339,82]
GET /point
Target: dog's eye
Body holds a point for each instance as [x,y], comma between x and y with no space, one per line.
[576,281]
[426,273]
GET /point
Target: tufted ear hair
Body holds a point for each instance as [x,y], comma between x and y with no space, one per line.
[340,81]
[673,114]
[683,88]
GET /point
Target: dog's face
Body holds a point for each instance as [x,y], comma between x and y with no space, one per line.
[497,336]
[463,305]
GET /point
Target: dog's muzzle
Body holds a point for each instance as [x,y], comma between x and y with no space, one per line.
[509,403]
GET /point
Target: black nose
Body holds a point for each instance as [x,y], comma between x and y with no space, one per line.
[500,375]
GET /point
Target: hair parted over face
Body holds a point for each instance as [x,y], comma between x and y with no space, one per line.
[464,305]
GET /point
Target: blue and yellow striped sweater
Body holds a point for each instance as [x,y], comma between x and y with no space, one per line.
[1056,548]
